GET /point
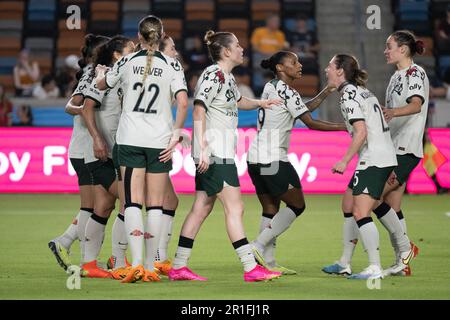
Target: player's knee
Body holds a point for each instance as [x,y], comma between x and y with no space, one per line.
[297,211]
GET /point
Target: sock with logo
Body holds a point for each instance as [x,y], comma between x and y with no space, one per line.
[134,228]
[350,239]
[119,241]
[244,252]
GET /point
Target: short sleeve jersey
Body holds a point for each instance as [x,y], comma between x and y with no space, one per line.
[218,93]
[146,119]
[407,131]
[107,114]
[275,125]
[80,134]
[359,104]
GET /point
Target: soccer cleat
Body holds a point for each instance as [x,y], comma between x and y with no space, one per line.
[260,273]
[120,273]
[371,272]
[259,257]
[338,269]
[150,276]
[111,264]
[61,254]
[163,267]
[91,270]
[184,273]
[415,249]
[284,271]
[134,274]
[401,267]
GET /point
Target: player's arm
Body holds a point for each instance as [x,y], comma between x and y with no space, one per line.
[199,117]
[321,125]
[75,105]
[414,106]
[251,104]
[315,102]
[358,139]
[182,110]
[88,114]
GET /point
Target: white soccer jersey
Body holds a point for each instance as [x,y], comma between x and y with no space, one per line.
[358,103]
[146,119]
[80,134]
[107,115]
[407,131]
[275,125]
[218,93]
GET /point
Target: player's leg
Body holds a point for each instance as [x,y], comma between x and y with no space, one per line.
[295,205]
[162,261]
[350,234]
[134,184]
[270,206]
[201,208]
[105,193]
[119,240]
[362,208]
[230,197]
[60,246]
[155,193]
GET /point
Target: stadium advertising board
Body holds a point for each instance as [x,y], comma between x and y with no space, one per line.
[34,160]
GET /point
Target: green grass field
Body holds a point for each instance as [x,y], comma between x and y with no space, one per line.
[30,271]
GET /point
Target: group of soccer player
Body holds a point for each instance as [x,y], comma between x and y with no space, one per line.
[124,135]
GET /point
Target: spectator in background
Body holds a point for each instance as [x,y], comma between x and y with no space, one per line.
[303,41]
[46,89]
[26,74]
[192,80]
[5,109]
[265,42]
[442,90]
[25,117]
[443,34]
[269,39]
[66,79]
[197,57]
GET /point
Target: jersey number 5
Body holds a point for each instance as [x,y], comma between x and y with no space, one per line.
[153,89]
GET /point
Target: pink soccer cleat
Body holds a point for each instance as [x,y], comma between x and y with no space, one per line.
[184,273]
[260,273]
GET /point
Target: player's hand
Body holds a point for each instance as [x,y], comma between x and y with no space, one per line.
[100,148]
[100,70]
[388,113]
[167,153]
[203,164]
[185,140]
[339,167]
[268,104]
[392,178]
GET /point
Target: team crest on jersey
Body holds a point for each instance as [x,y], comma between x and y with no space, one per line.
[176,66]
[220,76]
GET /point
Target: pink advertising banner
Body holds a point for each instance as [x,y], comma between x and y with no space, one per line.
[35,160]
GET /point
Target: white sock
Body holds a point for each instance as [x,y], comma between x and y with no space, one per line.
[402,220]
[94,235]
[371,239]
[244,252]
[269,250]
[134,228]
[119,241]
[152,235]
[282,220]
[183,252]
[389,219]
[350,239]
[71,234]
[84,216]
[166,234]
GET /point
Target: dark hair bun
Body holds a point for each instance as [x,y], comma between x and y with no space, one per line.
[420,47]
[265,64]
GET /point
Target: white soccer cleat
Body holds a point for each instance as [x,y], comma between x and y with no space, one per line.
[371,272]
